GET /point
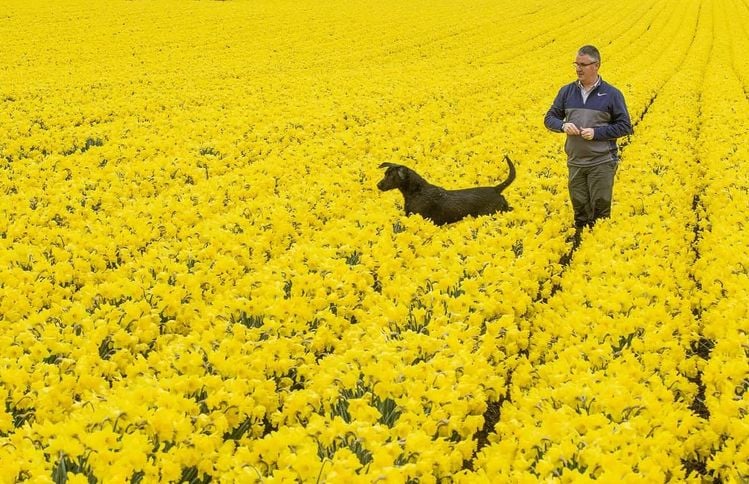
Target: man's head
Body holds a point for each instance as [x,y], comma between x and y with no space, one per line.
[586,64]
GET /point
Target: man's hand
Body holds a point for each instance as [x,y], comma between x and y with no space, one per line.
[570,129]
[587,133]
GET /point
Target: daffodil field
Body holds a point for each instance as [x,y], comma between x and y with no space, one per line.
[200,282]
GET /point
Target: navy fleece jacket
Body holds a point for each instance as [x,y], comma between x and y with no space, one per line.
[604,110]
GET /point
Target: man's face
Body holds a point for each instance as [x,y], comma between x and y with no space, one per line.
[586,68]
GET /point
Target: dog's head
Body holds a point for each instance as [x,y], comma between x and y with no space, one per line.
[395,176]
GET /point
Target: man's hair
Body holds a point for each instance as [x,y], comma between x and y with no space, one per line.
[591,52]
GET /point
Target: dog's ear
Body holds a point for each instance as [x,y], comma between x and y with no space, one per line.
[388,165]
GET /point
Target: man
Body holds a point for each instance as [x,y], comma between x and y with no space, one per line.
[593,114]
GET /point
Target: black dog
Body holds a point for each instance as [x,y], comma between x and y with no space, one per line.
[444,206]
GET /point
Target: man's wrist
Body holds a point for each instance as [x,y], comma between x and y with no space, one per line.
[563,123]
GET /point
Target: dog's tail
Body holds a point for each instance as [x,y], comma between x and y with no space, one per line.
[510,178]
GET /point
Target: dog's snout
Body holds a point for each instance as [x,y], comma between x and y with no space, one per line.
[385,184]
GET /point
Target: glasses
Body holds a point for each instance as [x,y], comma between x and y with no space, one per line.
[580,64]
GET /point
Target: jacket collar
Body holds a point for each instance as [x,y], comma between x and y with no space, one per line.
[598,83]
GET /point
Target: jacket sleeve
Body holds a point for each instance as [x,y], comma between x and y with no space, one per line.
[620,124]
[554,118]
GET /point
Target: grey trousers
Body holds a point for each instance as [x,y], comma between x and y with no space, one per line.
[591,190]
